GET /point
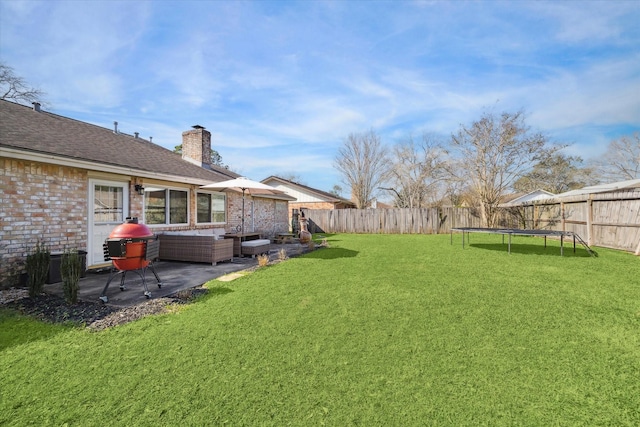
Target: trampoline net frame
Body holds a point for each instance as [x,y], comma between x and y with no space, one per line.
[523,232]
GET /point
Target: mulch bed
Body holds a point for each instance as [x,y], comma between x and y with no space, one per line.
[96,316]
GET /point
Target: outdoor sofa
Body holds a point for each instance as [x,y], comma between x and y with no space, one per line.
[195,246]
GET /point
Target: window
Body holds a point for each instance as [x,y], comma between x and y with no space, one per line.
[108,204]
[211,208]
[163,203]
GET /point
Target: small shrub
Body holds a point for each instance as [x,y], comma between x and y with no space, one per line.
[70,270]
[263,260]
[282,254]
[37,267]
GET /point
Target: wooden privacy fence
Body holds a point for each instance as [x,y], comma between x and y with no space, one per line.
[609,220]
[391,221]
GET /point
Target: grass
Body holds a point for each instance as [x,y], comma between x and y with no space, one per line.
[374,330]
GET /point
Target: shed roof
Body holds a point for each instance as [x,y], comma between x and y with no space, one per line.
[629,189]
[601,188]
[523,198]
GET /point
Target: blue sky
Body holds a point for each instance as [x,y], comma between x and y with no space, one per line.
[281,84]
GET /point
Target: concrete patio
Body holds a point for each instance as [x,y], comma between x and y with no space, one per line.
[175,276]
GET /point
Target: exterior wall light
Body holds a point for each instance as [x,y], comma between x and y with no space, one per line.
[139,189]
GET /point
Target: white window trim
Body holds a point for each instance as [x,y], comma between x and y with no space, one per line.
[166,188]
[226,199]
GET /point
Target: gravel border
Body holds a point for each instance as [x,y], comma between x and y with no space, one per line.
[95,316]
[98,316]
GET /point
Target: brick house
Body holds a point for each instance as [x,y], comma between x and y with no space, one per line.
[68,183]
[307,197]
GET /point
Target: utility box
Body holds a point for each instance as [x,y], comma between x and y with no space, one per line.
[55,275]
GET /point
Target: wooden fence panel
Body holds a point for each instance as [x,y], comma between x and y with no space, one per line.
[611,220]
[390,221]
[617,223]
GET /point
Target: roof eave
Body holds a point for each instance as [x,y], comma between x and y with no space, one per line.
[18,154]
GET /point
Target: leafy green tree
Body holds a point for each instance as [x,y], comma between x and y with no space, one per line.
[336,190]
[216,158]
[556,174]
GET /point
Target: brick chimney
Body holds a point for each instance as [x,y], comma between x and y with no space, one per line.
[196,146]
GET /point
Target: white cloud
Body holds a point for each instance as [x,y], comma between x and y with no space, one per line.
[280,84]
[604,94]
[589,22]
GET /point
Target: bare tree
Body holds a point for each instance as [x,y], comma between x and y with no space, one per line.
[362,161]
[456,188]
[14,88]
[496,151]
[621,161]
[417,171]
[556,174]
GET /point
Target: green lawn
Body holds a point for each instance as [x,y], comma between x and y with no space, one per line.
[373,331]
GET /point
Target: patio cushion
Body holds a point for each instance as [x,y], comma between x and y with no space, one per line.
[255,243]
[255,247]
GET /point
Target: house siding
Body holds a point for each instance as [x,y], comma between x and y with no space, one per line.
[300,196]
[40,202]
[312,205]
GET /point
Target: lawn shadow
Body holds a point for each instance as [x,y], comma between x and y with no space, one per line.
[17,329]
[527,249]
[329,237]
[331,253]
[218,290]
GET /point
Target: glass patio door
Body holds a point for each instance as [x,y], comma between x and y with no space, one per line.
[108,207]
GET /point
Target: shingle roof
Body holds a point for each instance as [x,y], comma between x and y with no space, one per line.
[24,128]
[323,194]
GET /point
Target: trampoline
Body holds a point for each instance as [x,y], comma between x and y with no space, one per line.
[518,232]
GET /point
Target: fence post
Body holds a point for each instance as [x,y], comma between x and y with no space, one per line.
[590,220]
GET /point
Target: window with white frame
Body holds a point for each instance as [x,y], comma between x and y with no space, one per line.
[211,208]
[166,206]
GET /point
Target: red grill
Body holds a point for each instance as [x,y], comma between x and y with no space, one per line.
[131,247]
[127,245]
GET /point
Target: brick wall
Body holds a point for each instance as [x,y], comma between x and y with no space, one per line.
[40,202]
[265,216]
[270,216]
[196,145]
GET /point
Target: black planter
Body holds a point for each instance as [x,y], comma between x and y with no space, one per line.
[55,276]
